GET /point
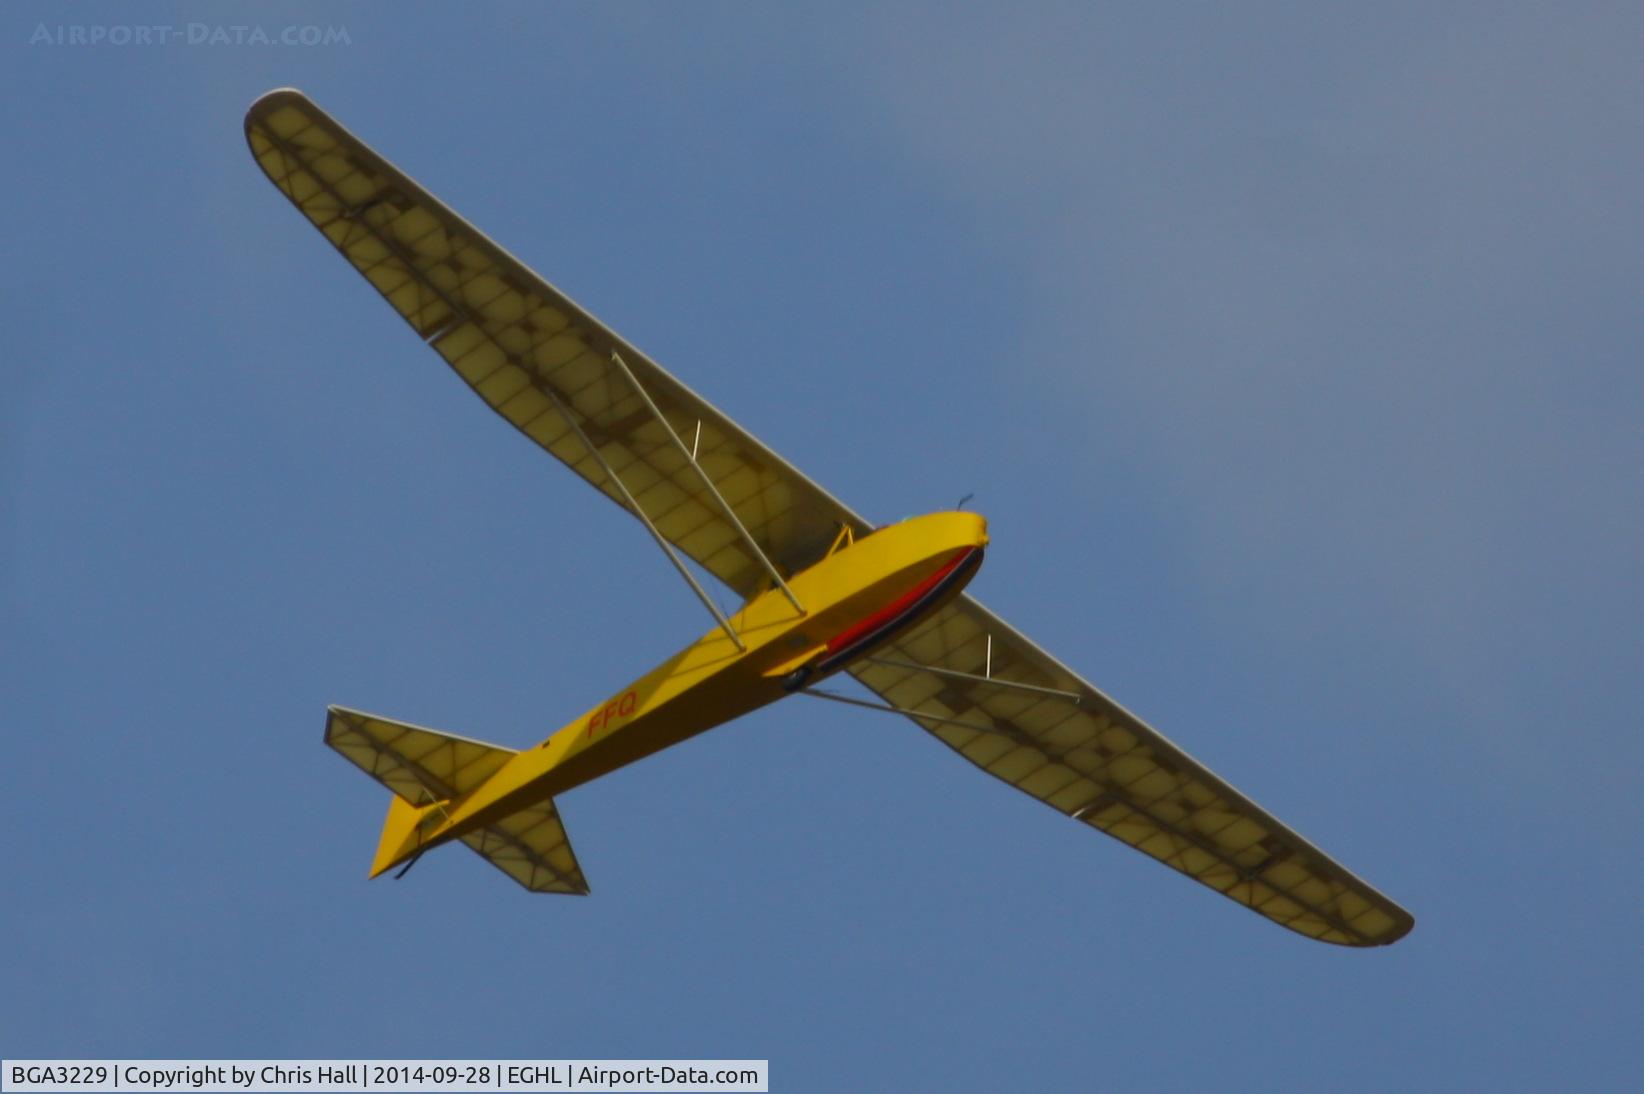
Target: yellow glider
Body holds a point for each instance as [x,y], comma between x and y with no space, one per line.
[823,591]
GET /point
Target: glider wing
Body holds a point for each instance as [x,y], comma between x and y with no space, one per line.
[541,361]
[1076,750]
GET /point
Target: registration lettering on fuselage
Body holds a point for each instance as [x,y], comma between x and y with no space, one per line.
[613,711]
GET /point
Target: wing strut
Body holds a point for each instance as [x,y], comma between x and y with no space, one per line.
[988,678]
[690,457]
[633,506]
[835,697]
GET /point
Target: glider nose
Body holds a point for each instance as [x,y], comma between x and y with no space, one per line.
[969,529]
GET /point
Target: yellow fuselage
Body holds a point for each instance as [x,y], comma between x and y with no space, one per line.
[853,599]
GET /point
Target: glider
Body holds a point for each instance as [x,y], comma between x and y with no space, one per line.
[823,591]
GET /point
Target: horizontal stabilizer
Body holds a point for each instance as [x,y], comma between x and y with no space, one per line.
[420,765]
[532,848]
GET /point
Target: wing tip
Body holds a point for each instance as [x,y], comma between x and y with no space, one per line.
[268,103]
[275,98]
[1403,923]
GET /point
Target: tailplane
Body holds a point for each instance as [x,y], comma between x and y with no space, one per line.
[426,769]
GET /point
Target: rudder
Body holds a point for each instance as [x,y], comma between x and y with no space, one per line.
[401,832]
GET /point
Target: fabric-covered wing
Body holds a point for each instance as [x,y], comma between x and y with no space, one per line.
[533,355]
[1098,763]
[420,765]
[532,848]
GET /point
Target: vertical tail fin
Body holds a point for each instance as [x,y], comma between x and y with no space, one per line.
[401,832]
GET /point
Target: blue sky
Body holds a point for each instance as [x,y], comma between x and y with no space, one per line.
[1293,355]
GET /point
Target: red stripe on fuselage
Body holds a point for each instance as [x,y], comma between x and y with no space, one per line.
[844,639]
